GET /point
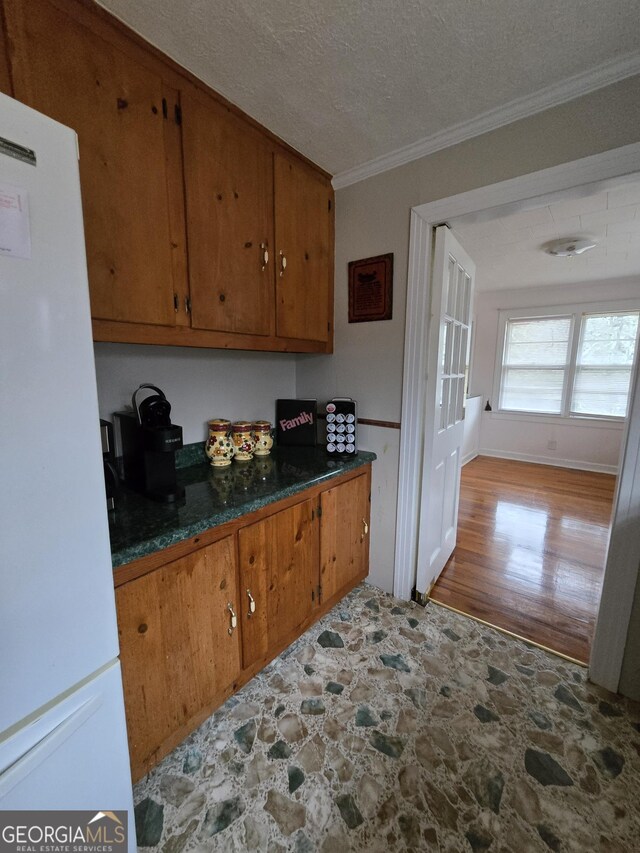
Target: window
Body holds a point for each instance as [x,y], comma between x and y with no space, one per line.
[535,362]
[603,364]
[572,364]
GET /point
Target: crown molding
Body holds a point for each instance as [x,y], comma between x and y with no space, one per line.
[573,87]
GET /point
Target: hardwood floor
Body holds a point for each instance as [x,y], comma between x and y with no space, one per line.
[531,549]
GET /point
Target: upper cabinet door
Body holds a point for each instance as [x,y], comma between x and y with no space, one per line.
[5,71]
[115,105]
[229,190]
[303,217]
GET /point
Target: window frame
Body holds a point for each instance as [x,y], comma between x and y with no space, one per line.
[576,312]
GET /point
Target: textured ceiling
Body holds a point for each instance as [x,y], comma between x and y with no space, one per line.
[346,81]
[509,250]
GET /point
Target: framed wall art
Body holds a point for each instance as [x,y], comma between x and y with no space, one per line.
[371,289]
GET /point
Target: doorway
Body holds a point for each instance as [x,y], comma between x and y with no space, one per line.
[554,349]
[520,194]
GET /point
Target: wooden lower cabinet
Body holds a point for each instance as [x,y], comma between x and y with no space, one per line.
[278,570]
[344,544]
[279,575]
[178,658]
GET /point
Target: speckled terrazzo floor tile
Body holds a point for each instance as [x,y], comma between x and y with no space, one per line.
[389,727]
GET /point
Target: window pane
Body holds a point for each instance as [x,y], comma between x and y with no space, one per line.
[603,365]
[601,391]
[459,398]
[464,351]
[526,390]
[461,294]
[608,339]
[444,402]
[451,287]
[455,359]
[447,344]
[538,342]
[466,306]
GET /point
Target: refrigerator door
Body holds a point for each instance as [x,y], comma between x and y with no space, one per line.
[57,608]
[72,756]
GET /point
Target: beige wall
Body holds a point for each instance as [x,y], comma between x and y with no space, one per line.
[200,384]
[372,218]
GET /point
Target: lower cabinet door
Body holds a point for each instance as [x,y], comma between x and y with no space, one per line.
[279,572]
[344,539]
[179,648]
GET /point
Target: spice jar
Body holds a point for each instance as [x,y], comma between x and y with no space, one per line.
[219,447]
[243,441]
[261,431]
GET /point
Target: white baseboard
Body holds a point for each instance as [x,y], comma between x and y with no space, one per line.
[469,456]
[550,460]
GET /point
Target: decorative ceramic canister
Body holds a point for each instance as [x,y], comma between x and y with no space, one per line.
[219,447]
[261,431]
[243,441]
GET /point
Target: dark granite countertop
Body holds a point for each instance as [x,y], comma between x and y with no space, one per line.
[139,526]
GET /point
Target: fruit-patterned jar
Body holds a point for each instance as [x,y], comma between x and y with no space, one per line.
[261,431]
[219,447]
[243,441]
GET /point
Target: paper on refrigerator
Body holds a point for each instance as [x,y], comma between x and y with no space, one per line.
[15,232]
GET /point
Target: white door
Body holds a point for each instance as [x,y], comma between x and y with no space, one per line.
[448,344]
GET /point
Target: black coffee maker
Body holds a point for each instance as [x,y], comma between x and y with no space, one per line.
[148,443]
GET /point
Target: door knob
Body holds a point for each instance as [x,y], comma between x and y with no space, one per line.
[283,263]
[265,256]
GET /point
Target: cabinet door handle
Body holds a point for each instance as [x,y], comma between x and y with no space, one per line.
[252,604]
[283,263]
[265,256]
[365,529]
[234,619]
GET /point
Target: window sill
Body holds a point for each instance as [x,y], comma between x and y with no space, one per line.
[597,423]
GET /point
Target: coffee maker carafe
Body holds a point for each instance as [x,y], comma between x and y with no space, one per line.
[148,443]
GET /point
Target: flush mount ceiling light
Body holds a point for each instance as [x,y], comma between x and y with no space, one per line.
[569,247]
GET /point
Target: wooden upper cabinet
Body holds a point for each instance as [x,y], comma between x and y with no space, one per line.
[178,658]
[279,559]
[303,217]
[229,197]
[115,105]
[5,69]
[167,168]
[344,538]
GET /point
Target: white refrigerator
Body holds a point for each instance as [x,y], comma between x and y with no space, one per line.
[62,725]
